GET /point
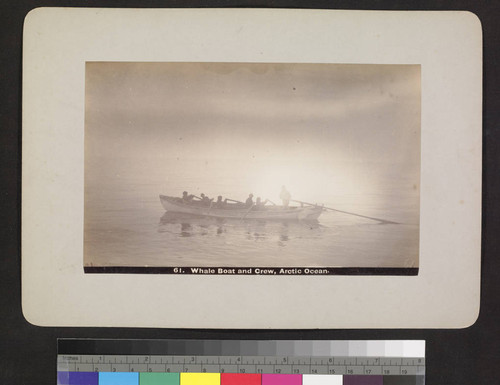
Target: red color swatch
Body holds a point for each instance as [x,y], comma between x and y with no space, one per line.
[240,379]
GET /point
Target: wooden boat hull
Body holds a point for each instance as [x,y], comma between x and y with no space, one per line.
[241,212]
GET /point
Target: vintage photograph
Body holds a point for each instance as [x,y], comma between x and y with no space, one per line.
[252,168]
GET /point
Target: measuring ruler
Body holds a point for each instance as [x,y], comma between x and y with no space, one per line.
[211,362]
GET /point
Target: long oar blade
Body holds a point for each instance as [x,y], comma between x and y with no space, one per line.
[384,221]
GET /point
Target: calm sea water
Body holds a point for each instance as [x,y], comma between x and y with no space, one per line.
[125,224]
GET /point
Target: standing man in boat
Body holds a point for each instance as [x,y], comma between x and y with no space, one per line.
[285,197]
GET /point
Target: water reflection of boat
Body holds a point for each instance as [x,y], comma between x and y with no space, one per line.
[237,211]
[189,225]
[203,221]
[189,219]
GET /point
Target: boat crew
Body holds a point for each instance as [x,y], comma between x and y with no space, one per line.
[249,201]
[202,200]
[205,200]
[259,205]
[285,197]
[187,198]
[220,203]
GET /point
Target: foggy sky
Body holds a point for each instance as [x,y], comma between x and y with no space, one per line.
[362,113]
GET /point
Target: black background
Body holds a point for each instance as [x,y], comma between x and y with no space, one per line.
[28,353]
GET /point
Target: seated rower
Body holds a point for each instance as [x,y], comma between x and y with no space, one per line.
[220,203]
[203,200]
[249,201]
[259,205]
[187,198]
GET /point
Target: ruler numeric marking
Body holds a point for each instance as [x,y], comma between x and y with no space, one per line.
[243,364]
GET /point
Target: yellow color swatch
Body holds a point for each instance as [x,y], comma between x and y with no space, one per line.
[200,379]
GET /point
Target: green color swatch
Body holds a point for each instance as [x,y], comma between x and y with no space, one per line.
[159,379]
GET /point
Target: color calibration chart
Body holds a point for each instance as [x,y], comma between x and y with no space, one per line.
[242,362]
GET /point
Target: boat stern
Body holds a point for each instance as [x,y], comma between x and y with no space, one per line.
[311,213]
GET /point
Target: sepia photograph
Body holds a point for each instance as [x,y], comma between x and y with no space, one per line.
[252,168]
[252,161]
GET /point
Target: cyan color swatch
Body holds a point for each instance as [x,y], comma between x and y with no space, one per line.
[118,378]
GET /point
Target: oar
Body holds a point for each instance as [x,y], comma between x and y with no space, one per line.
[250,209]
[232,200]
[349,213]
[271,202]
[200,198]
[211,204]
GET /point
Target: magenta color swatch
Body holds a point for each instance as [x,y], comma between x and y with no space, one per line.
[281,379]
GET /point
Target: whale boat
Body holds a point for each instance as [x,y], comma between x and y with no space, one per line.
[240,211]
